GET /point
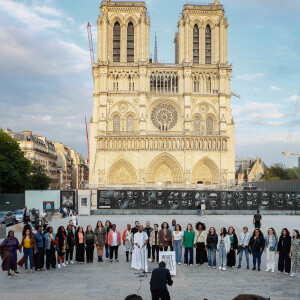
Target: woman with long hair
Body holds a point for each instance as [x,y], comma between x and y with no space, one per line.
[50,245]
[177,243]
[223,248]
[283,249]
[28,244]
[8,250]
[256,246]
[100,237]
[211,244]
[295,253]
[188,243]
[271,242]
[89,244]
[164,237]
[70,244]
[79,245]
[61,246]
[200,244]
[233,247]
[107,250]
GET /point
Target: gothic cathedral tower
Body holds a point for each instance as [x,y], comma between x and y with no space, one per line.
[155,122]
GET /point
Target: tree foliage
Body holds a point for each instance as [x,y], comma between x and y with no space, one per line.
[17,173]
[279,172]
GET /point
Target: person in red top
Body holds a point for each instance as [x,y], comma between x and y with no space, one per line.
[114,241]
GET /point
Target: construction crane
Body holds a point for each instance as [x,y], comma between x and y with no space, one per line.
[235,94]
[290,153]
[90,37]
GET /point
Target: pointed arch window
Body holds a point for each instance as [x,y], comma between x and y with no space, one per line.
[209,125]
[208,44]
[196,44]
[116,123]
[130,123]
[208,85]
[197,124]
[130,42]
[116,42]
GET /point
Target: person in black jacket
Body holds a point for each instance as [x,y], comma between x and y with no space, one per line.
[71,244]
[233,247]
[256,246]
[158,283]
[283,248]
[212,243]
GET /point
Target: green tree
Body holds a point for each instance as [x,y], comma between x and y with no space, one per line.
[14,167]
[279,172]
[38,180]
[293,173]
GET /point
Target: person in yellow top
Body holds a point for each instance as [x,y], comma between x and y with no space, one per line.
[29,248]
[200,242]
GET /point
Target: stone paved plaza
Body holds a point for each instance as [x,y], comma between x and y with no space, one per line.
[107,280]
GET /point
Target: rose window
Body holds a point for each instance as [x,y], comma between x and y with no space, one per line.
[164,117]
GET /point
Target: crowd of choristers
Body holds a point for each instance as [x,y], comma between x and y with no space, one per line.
[57,249]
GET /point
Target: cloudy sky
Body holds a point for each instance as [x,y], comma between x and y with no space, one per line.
[46,83]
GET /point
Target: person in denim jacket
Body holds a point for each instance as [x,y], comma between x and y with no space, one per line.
[50,245]
[271,242]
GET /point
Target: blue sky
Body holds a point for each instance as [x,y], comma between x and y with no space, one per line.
[46,84]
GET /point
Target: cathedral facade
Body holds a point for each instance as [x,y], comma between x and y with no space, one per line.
[155,122]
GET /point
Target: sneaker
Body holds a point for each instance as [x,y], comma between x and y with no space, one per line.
[191,265]
[72,262]
[267,270]
[292,275]
[239,266]
[67,262]
[179,263]
[224,269]
[16,273]
[59,266]
[214,267]
[63,264]
[149,259]
[273,271]
[286,273]
[117,260]
[220,268]
[9,274]
[279,272]
[208,266]
[106,258]
[233,267]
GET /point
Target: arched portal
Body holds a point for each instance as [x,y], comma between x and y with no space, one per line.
[122,172]
[164,168]
[205,171]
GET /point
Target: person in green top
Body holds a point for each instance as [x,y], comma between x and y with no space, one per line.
[89,243]
[188,243]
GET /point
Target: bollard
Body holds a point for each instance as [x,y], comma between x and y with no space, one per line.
[2,231]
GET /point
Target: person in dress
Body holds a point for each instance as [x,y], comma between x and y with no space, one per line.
[164,237]
[139,254]
[200,244]
[271,242]
[295,253]
[100,238]
[284,249]
[108,228]
[114,241]
[177,243]
[61,246]
[126,238]
[257,245]
[233,247]
[89,244]
[79,245]
[8,251]
[154,243]
[188,243]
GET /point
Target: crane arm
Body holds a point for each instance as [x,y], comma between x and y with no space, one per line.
[290,153]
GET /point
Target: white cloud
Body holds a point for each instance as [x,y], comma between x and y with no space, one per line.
[292,98]
[275,88]
[247,76]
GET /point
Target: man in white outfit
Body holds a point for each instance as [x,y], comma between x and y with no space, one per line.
[139,254]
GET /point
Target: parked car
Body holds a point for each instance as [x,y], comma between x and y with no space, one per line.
[7,217]
[19,215]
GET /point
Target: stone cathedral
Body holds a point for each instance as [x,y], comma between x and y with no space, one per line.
[161,123]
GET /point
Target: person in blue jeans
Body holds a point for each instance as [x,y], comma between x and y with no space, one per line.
[29,247]
[177,242]
[223,248]
[257,245]
[212,243]
[244,246]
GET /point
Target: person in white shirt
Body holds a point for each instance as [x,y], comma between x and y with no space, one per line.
[114,241]
[203,207]
[177,242]
[139,254]
[75,219]
[43,217]
[271,243]
[224,248]
[243,246]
